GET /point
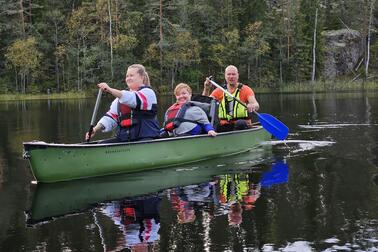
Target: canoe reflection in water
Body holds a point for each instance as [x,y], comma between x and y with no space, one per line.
[132,201]
[138,220]
[58,199]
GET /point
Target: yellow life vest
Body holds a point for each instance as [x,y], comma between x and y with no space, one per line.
[233,187]
[229,109]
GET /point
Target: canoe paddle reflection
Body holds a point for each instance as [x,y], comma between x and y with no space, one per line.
[278,174]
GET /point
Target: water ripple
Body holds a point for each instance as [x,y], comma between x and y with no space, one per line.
[334,125]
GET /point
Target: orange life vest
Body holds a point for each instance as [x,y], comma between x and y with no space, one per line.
[175,116]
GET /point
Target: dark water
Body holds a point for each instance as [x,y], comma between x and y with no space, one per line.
[318,191]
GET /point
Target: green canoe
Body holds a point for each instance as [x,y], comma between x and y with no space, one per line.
[62,162]
[52,200]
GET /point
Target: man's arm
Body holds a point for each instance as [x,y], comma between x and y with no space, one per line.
[252,105]
[206,87]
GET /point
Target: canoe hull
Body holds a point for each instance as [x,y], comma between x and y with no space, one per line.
[62,162]
[52,200]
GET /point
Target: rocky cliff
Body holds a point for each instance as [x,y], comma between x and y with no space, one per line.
[343,52]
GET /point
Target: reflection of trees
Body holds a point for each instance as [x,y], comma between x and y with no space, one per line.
[2,169]
[62,121]
[314,115]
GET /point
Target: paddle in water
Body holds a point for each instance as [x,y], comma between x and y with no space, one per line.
[94,115]
[271,124]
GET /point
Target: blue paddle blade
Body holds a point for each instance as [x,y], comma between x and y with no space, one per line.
[274,126]
[279,174]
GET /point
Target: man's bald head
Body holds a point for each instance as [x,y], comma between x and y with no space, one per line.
[231,75]
[231,67]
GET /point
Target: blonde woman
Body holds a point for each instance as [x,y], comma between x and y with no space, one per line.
[133,112]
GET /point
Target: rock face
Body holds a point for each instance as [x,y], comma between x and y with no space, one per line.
[343,51]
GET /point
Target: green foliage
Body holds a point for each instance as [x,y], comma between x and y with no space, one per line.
[190,75]
[69,45]
[24,55]
[182,49]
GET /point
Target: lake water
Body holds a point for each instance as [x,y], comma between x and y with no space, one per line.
[317,191]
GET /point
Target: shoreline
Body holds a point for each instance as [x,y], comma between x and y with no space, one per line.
[297,88]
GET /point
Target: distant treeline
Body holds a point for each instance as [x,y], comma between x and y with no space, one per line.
[55,46]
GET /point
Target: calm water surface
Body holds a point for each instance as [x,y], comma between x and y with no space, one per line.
[317,191]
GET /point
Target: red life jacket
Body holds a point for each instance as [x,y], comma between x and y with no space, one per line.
[175,116]
[128,117]
[169,124]
[124,115]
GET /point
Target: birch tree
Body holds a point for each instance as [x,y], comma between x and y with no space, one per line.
[25,58]
[314,47]
[368,40]
[110,39]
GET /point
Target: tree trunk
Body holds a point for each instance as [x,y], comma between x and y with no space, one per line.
[16,78]
[368,41]
[116,19]
[30,11]
[78,65]
[110,39]
[56,58]
[63,78]
[84,66]
[288,47]
[249,71]
[23,80]
[172,78]
[314,47]
[22,18]
[281,58]
[229,13]
[258,70]
[161,42]
[288,29]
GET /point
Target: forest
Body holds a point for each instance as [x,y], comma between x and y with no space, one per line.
[59,46]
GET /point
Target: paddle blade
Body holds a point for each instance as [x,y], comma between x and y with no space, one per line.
[274,126]
[279,174]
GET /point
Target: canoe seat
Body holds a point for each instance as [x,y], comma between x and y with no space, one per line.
[209,105]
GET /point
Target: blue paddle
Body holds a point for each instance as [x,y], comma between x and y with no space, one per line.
[271,124]
[278,174]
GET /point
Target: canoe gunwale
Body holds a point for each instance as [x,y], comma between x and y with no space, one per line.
[40,144]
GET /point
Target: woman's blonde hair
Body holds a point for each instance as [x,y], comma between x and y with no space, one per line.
[182,86]
[142,71]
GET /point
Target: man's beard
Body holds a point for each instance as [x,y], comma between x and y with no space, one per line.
[232,84]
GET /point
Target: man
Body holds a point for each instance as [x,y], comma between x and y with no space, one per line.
[233,115]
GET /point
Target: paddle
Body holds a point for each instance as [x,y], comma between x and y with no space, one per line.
[278,174]
[90,131]
[271,124]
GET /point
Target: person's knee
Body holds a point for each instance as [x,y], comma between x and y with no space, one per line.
[224,128]
[241,125]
